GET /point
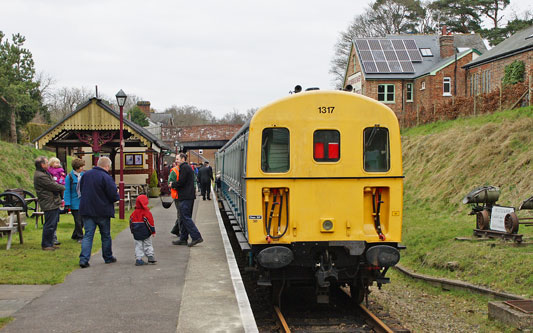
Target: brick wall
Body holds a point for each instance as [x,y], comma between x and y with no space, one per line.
[433,93]
[170,134]
[497,71]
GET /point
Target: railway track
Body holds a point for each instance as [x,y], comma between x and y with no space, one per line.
[371,324]
[343,319]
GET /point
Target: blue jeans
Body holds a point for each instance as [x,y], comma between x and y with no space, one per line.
[104,225]
[187,224]
[51,217]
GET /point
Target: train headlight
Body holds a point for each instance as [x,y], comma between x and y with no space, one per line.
[327,225]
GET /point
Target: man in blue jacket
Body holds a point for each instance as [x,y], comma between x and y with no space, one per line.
[98,194]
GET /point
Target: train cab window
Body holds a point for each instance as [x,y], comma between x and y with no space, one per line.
[376,149]
[275,150]
[326,145]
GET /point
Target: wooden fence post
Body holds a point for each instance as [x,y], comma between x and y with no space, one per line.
[500,97]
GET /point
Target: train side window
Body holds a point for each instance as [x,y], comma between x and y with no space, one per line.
[275,150]
[326,145]
[376,153]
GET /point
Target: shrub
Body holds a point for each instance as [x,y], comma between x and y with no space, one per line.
[514,73]
[153,180]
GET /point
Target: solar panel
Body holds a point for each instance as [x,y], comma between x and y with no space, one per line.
[386,45]
[407,67]
[415,55]
[390,55]
[366,55]
[402,55]
[410,44]
[395,67]
[378,55]
[382,67]
[362,44]
[374,44]
[398,44]
[370,67]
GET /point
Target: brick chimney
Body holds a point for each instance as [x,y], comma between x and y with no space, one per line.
[447,49]
[145,107]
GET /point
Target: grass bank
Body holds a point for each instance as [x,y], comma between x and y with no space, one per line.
[17,165]
[442,163]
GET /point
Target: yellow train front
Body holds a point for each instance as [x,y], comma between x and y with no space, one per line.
[315,184]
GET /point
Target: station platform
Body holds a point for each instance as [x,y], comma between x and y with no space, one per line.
[190,289]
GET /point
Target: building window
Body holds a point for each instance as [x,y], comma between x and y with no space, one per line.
[275,150]
[386,93]
[376,152]
[409,92]
[326,145]
[354,65]
[447,86]
[426,53]
[423,85]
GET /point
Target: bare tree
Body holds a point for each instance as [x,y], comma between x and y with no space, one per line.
[65,100]
[188,115]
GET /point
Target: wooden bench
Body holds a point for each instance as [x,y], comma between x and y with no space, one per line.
[12,226]
[37,213]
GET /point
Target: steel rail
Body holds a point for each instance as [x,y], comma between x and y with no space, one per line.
[378,321]
[282,320]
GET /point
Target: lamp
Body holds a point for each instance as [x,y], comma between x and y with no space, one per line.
[121,100]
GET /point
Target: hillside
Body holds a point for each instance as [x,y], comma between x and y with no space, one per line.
[442,163]
[17,165]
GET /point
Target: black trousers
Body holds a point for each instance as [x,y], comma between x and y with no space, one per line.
[177,225]
[78,225]
[206,189]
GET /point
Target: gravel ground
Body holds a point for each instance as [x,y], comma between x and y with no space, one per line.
[423,308]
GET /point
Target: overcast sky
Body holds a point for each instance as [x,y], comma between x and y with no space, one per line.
[215,55]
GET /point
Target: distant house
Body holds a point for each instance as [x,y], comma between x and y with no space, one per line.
[486,72]
[155,120]
[409,72]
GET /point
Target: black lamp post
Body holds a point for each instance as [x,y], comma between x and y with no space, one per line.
[121,100]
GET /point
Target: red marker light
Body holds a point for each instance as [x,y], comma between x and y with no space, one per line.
[319,150]
[333,150]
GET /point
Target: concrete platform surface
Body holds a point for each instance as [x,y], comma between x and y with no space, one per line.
[15,297]
[214,299]
[118,297]
[197,289]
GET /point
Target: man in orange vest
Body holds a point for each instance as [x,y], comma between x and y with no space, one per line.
[173,177]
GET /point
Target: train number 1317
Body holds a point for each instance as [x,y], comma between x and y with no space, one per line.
[326,109]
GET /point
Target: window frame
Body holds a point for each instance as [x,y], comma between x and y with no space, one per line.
[424,54]
[386,92]
[326,159]
[409,90]
[387,150]
[288,149]
[444,83]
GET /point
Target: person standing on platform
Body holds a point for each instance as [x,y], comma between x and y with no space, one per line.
[205,175]
[49,196]
[98,195]
[143,229]
[72,197]
[186,196]
[173,178]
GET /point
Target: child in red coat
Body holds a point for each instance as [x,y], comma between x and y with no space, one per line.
[142,227]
